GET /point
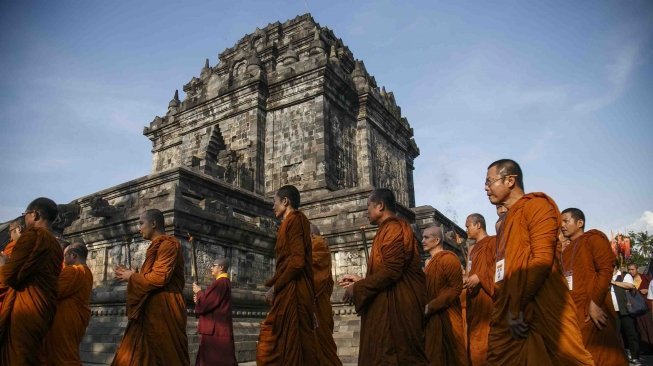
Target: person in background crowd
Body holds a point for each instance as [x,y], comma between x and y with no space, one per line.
[622,282]
[643,322]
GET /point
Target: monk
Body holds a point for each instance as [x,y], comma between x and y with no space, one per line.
[445,343]
[156,311]
[587,263]
[31,273]
[534,317]
[323,284]
[215,325]
[391,298]
[480,288]
[287,334]
[15,228]
[73,314]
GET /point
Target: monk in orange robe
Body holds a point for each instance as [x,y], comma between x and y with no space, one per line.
[15,228]
[445,342]
[287,336]
[587,263]
[323,284]
[534,317]
[392,296]
[73,312]
[156,310]
[480,287]
[31,273]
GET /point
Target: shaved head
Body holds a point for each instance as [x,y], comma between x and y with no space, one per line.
[315,230]
[46,208]
[79,249]
[508,167]
[385,196]
[222,262]
[435,231]
[155,216]
[575,213]
[477,218]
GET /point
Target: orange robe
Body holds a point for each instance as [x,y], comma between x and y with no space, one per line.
[445,342]
[287,336]
[590,259]
[323,285]
[72,317]
[391,299]
[29,306]
[534,285]
[4,288]
[156,330]
[479,302]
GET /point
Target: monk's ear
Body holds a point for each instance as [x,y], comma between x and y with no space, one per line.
[512,182]
[580,223]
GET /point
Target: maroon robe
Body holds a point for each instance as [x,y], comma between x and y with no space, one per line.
[215,326]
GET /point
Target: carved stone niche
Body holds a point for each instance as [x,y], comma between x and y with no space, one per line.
[101,207]
[67,214]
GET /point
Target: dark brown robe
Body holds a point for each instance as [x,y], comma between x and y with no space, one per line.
[480,300]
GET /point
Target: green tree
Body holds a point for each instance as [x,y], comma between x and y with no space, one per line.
[641,247]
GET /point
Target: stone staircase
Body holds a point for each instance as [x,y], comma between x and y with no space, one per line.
[106,329]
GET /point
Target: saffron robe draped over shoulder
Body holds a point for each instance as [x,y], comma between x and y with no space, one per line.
[590,260]
[287,336]
[479,301]
[72,316]
[27,312]
[391,299]
[323,285]
[534,285]
[445,342]
[156,311]
[215,325]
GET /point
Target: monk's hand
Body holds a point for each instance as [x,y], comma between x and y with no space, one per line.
[471,282]
[348,280]
[269,296]
[196,288]
[348,297]
[518,327]
[195,298]
[122,273]
[598,316]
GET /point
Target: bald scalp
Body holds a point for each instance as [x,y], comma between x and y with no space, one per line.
[46,208]
[315,230]
[79,249]
[222,262]
[155,216]
[477,218]
[385,196]
[575,213]
[508,167]
[436,231]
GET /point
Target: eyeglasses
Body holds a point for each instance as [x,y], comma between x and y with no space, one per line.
[28,212]
[489,182]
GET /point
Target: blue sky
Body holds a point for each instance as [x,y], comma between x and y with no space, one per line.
[565,88]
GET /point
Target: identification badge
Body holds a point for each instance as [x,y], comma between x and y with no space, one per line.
[499,271]
[570,281]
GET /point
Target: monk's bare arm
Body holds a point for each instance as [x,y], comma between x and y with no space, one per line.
[387,273]
[296,259]
[543,231]
[164,265]
[603,264]
[450,267]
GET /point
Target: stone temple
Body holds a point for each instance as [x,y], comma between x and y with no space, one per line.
[287,104]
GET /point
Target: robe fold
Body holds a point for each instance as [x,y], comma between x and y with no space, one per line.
[215,325]
[156,311]
[323,285]
[533,284]
[72,317]
[391,299]
[287,336]
[445,342]
[480,299]
[590,260]
[27,312]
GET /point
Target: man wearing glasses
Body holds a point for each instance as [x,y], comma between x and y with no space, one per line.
[534,320]
[31,273]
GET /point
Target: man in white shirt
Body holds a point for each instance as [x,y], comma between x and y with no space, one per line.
[622,282]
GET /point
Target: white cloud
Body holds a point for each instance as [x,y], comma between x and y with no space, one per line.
[644,223]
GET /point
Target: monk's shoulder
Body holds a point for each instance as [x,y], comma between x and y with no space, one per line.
[595,238]
[168,243]
[449,259]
